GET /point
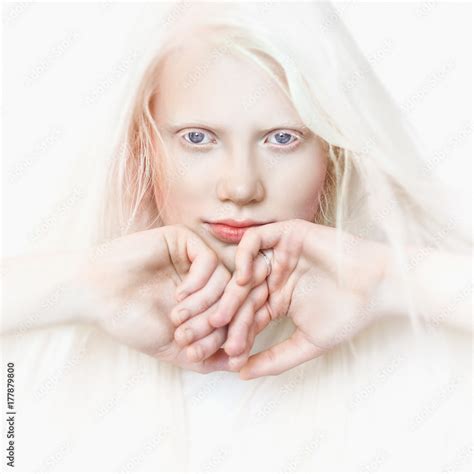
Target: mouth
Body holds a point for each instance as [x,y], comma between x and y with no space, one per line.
[231,231]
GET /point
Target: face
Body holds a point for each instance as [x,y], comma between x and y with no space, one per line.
[238,153]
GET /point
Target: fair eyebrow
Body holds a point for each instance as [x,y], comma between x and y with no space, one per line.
[175,127]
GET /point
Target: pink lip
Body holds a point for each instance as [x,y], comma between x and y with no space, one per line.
[231,231]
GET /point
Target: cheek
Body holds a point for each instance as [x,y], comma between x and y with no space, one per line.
[188,190]
[296,186]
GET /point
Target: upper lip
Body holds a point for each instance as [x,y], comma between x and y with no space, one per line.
[236,223]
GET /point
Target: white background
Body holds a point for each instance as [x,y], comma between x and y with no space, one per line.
[65,67]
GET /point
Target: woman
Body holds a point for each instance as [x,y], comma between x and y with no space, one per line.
[237,121]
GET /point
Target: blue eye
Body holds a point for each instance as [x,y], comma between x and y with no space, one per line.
[283,138]
[196,138]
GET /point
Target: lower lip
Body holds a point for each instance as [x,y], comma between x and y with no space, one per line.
[227,233]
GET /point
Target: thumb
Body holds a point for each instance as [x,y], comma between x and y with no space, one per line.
[281,357]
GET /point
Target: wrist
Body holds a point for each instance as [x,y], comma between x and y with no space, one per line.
[85,308]
[387,294]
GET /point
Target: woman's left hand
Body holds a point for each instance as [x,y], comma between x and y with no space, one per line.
[250,316]
[327,306]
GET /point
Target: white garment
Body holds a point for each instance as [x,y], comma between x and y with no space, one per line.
[394,404]
[407,412]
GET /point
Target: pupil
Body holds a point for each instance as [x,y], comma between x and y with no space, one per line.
[283,137]
[196,137]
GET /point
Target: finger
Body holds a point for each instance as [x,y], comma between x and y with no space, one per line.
[237,362]
[241,326]
[217,361]
[195,328]
[243,321]
[262,318]
[235,295]
[203,299]
[232,298]
[203,262]
[207,346]
[253,240]
[281,357]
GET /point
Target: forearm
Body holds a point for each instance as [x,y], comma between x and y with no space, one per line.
[441,286]
[42,290]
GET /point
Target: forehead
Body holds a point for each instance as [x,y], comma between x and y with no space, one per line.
[202,79]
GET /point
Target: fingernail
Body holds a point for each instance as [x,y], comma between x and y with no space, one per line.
[182,316]
[197,353]
[245,375]
[188,335]
[240,276]
[185,336]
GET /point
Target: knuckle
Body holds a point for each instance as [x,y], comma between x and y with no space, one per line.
[245,325]
[263,293]
[254,298]
[207,300]
[195,352]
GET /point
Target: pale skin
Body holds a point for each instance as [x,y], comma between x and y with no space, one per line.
[127,288]
[326,310]
[135,287]
[238,169]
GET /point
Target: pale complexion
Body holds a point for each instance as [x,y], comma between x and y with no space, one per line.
[241,173]
[252,157]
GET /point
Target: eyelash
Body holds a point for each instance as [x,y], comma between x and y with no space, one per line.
[197,147]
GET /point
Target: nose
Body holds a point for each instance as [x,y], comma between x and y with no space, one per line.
[240,181]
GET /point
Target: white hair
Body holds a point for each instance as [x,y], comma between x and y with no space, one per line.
[377,188]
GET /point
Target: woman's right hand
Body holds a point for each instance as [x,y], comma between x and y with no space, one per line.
[132,290]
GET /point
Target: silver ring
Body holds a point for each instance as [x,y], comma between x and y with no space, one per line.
[267,261]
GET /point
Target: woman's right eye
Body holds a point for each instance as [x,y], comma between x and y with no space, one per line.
[197,138]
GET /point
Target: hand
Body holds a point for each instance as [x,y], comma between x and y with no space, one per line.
[131,291]
[304,285]
[249,306]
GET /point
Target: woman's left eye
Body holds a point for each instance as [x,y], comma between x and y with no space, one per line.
[283,138]
[197,138]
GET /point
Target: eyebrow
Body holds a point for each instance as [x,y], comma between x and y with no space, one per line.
[175,127]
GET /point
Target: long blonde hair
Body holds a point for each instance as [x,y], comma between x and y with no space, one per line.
[377,186]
